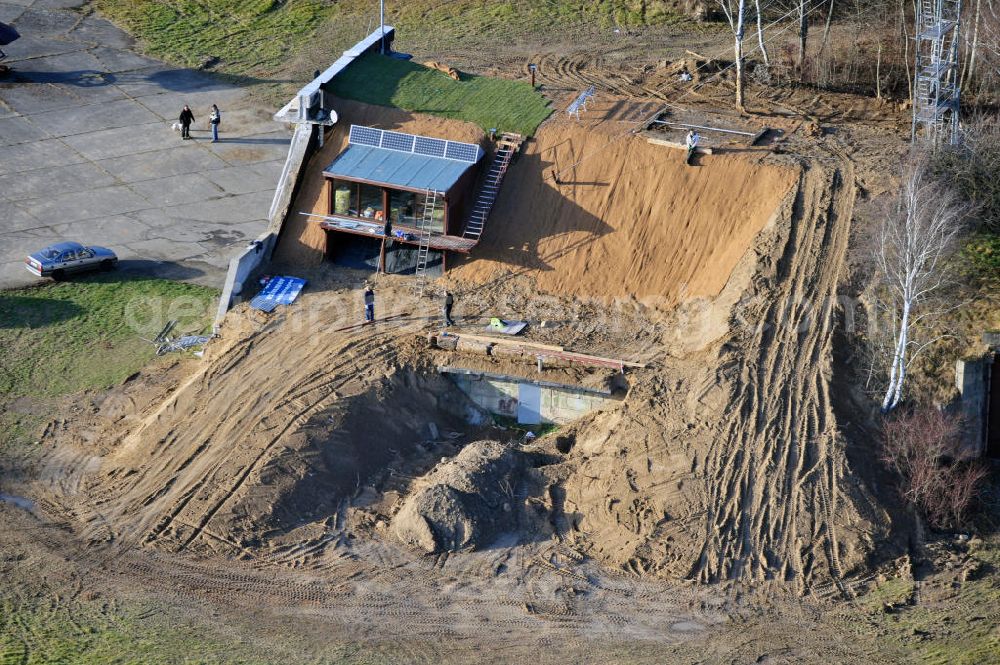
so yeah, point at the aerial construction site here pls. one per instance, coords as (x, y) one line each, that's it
(579, 381)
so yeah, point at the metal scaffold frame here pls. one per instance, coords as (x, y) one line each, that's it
(935, 85)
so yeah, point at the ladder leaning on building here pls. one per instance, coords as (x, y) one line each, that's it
(424, 223)
(507, 147)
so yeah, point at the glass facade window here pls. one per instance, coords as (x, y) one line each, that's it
(370, 201)
(403, 207)
(352, 199)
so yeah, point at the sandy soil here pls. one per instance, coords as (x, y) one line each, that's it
(628, 218)
(296, 440)
(263, 480)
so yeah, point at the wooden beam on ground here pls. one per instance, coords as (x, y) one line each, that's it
(508, 342)
(707, 128)
(584, 357)
(549, 350)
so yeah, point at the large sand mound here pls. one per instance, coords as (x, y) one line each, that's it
(629, 219)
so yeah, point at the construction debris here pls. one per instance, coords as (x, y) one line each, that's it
(278, 291)
(495, 346)
(181, 343)
(506, 327)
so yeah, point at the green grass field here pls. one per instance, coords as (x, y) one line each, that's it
(260, 37)
(487, 102)
(247, 35)
(37, 631)
(65, 337)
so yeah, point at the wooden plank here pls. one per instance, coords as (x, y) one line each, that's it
(602, 359)
(508, 342)
(557, 351)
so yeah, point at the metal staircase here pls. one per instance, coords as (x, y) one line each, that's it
(935, 85)
(424, 223)
(507, 147)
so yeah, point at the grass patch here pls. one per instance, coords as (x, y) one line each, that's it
(35, 631)
(488, 102)
(950, 626)
(65, 337)
(246, 35)
(294, 37)
(982, 253)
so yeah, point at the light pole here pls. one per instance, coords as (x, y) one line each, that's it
(381, 22)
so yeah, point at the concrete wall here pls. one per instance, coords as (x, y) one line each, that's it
(247, 262)
(299, 151)
(560, 404)
(242, 267)
(970, 379)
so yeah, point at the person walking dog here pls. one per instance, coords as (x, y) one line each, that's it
(215, 119)
(186, 120)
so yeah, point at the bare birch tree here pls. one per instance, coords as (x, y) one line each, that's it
(760, 34)
(735, 11)
(911, 250)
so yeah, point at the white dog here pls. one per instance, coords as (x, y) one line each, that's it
(176, 126)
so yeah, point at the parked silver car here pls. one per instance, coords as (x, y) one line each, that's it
(59, 260)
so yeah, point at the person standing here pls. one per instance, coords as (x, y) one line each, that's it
(215, 119)
(186, 119)
(449, 302)
(369, 304)
(691, 141)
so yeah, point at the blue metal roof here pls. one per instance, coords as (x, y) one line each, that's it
(397, 169)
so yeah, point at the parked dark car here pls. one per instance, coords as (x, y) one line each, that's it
(59, 260)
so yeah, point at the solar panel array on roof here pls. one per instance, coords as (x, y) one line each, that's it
(395, 168)
(431, 147)
(463, 152)
(397, 141)
(365, 136)
(411, 143)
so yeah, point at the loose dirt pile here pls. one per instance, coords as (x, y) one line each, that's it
(302, 241)
(627, 218)
(467, 501)
(305, 442)
(279, 427)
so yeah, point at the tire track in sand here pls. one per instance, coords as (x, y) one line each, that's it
(765, 471)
